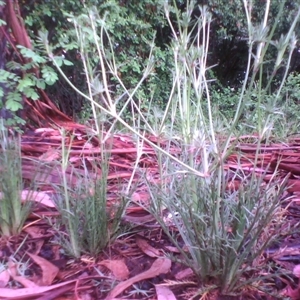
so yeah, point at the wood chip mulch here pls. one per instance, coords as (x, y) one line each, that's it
(138, 252)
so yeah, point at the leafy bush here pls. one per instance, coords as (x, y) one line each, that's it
(132, 28)
(134, 25)
(20, 80)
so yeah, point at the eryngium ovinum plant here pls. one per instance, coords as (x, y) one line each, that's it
(221, 233)
(224, 232)
(13, 213)
(87, 224)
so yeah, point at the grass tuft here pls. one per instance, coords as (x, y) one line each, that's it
(221, 237)
(13, 213)
(89, 223)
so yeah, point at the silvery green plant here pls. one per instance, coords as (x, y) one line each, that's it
(90, 223)
(224, 234)
(224, 231)
(13, 213)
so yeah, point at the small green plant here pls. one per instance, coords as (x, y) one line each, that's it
(13, 213)
(90, 222)
(224, 234)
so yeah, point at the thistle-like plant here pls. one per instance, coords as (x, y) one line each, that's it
(90, 223)
(225, 233)
(13, 213)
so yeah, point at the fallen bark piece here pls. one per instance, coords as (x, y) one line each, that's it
(29, 293)
(164, 293)
(4, 278)
(117, 267)
(49, 271)
(146, 248)
(160, 266)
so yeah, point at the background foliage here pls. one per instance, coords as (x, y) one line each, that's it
(135, 27)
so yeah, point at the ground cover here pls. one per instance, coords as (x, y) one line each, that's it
(140, 263)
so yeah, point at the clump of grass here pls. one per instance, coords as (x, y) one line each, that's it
(90, 223)
(13, 213)
(225, 233)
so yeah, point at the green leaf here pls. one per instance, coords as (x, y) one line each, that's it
(40, 83)
(5, 76)
(49, 75)
(71, 46)
(24, 83)
(29, 20)
(13, 101)
(12, 65)
(47, 11)
(43, 36)
(58, 60)
(67, 62)
(31, 93)
(28, 66)
(28, 53)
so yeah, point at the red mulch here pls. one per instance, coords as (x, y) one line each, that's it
(138, 252)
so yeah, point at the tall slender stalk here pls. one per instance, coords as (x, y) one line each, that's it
(122, 121)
